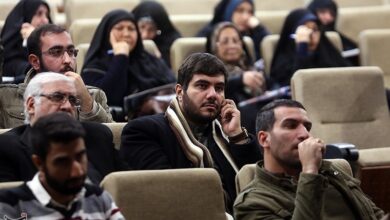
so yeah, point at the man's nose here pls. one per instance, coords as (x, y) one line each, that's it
(303, 133)
(66, 106)
(77, 169)
(66, 57)
(211, 92)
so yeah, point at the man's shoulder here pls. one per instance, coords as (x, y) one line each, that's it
(158, 119)
(13, 134)
(12, 196)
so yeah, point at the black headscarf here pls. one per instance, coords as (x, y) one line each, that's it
(144, 71)
(316, 5)
(285, 61)
(158, 14)
(15, 56)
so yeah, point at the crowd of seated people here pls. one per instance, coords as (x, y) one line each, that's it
(202, 124)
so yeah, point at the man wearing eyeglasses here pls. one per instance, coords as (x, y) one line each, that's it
(45, 94)
(50, 48)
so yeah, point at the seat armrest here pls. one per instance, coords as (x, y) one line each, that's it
(346, 151)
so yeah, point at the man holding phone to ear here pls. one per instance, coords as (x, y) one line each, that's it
(199, 129)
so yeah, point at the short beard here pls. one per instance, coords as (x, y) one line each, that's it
(63, 187)
(190, 111)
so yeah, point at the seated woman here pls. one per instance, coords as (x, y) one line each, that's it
(240, 13)
(244, 80)
(117, 62)
(21, 21)
(154, 24)
(326, 11)
(302, 45)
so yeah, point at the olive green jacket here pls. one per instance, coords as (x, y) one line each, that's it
(12, 104)
(331, 194)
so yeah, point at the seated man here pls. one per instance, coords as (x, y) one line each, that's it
(50, 48)
(47, 93)
(58, 190)
(293, 182)
(199, 129)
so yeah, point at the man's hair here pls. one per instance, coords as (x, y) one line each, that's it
(34, 40)
(266, 116)
(200, 63)
(34, 87)
(57, 127)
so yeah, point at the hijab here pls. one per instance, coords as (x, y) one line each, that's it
(285, 57)
(144, 70)
(168, 33)
(11, 38)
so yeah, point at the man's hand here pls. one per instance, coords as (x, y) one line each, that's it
(230, 118)
(82, 92)
(310, 154)
(119, 47)
(26, 30)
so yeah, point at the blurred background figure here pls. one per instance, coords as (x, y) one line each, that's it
(302, 45)
(117, 62)
(244, 81)
(240, 13)
(21, 21)
(154, 24)
(326, 11)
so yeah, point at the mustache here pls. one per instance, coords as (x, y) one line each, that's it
(67, 68)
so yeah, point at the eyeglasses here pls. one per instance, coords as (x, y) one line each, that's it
(60, 98)
(58, 52)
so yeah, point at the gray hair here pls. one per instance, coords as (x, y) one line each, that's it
(35, 85)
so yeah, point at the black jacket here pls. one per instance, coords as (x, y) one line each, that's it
(15, 153)
(149, 143)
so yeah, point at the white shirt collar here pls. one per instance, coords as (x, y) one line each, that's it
(43, 196)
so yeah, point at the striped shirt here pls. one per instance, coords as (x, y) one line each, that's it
(33, 201)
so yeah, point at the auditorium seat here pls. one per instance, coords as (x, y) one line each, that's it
(189, 25)
(189, 7)
(349, 105)
(351, 21)
(374, 47)
(267, 5)
(176, 194)
(82, 30)
(116, 129)
(359, 3)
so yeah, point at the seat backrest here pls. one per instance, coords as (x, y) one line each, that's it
(272, 20)
(374, 48)
(116, 129)
(182, 47)
(244, 176)
(76, 9)
(188, 7)
(6, 7)
(358, 3)
(345, 104)
(267, 5)
(7, 185)
(190, 194)
(351, 21)
(269, 43)
(247, 173)
(82, 30)
(189, 25)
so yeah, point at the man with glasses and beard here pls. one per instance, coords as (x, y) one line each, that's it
(50, 48)
(47, 93)
(58, 190)
(199, 129)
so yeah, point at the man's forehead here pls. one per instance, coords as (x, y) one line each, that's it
(50, 39)
(59, 86)
(214, 78)
(283, 113)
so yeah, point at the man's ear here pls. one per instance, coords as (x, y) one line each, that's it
(30, 105)
(179, 91)
(34, 61)
(37, 162)
(264, 139)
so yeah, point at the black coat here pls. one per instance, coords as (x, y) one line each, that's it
(15, 153)
(149, 143)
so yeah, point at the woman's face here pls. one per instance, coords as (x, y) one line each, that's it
(148, 29)
(229, 46)
(40, 17)
(241, 16)
(315, 35)
(326, 16)
(125, 31)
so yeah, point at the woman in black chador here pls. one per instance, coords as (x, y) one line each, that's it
(302, 45)
(117, 62)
